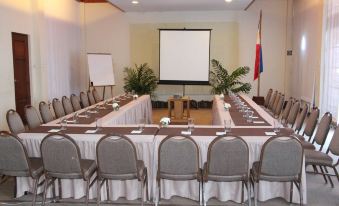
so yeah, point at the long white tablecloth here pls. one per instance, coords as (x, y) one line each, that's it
(220, 190)
(219, 113)
(147, 149)
(131, 113)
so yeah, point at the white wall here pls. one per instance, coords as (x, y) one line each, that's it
(307, 25)
(54, 29)
(107, 30)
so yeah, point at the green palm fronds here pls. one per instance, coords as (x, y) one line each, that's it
(141, 79)
(222, 82)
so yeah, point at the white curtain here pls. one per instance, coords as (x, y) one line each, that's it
(330, 63)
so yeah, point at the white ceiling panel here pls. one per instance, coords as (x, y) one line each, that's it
(180, 5)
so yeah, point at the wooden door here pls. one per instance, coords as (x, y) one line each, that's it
(21, 72)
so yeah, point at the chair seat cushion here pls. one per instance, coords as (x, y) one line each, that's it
(178, 177)
(313, 157)
(307, 145)
(221, 178)
(270, 178)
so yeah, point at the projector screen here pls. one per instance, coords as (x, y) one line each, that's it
(184, 56)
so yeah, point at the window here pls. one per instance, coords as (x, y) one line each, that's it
(330, 60)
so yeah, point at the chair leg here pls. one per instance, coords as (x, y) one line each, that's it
(336, 172)
(291, 192)
(142, 192)
(248, 188)
(146, 182)
(242, 192)
(87, 191)
(53, 190)
(98, 191)
(107, 190)
(329, 176)
(200, 198)
(301, 194)
(60, 189)
(323, 173)
(45, 191)
(35, 187)
(159, 195)
(255, 193)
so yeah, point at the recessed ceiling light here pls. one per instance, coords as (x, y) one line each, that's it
(228, 1)
(135, 2)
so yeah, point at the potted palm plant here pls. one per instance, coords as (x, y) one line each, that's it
(140, 79)
(222, 82)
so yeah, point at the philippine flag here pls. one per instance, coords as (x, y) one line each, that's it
(258, 68)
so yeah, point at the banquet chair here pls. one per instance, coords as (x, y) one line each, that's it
(318, 158)
(301, 118)
(96, 96)
(227, 161)
(292, 116)
(14, 122)
(91, 98)
(321, 133)
(117, 160)
(58, 108)
(45, 112)
(272, 100)
(32, 117)
(62, 160)
(14, 161)
(275, 104)
(75, 102)
(84, 99)
(281, 160)
(268, 97)
(66, 103)
(178, 160)
(311, 123)
(277, 111)
(287, 110)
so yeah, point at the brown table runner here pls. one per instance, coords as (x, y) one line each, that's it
(234, 131)
(102, 130)
(238, 118)
(101, 112)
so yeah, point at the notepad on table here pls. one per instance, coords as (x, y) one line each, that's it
(270, 133)
(91, 131)
(258, 122)
(220, 133)
(136, 132)
(54, 130)
(186, 132)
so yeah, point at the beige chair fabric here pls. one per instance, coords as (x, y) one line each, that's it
(268, 97)
(91, 98)
(84, 99)
(32, 117)
(45, 112)
(178, 160)
(66, 103)
(75, 102)
(14, 122)
(15, 162)
(58, 108)
(96, 96)
(117, 160)
(227, 161)
(281, 160)
(62, 160)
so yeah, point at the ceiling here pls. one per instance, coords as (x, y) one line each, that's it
(179, 5)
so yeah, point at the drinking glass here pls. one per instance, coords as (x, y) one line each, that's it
(190, 124)
(141, 124)
(250, 116)
(227, 125)
(98, 124)
(276, 126)
(63, 124)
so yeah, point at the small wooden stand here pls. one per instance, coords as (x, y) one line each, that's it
(178, 113)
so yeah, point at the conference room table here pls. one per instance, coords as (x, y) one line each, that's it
(147, 144)
(131, 111)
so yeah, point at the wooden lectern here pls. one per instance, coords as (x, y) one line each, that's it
(177, 113)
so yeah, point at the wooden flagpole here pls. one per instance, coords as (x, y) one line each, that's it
(258, 91)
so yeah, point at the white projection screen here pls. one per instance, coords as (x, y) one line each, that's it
(100, 68)
(184, 56)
